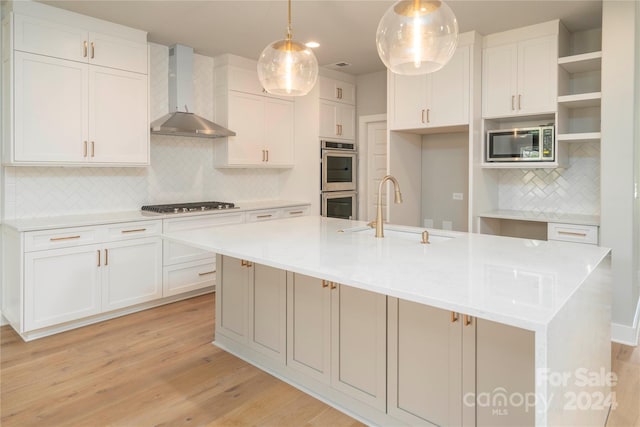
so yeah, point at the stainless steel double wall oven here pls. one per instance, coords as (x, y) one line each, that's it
(338, 173)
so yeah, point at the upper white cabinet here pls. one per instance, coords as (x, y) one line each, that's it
(432, 100)
(337, 121)
(264, 124)
(80, 97)
(519, 71)
(337, 90)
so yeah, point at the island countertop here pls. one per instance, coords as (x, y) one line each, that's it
(518, 282)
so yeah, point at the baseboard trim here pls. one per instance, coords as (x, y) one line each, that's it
(625, 334)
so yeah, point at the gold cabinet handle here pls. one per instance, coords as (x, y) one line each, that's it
(84, 151)
(264, 216)
(422, 116)
(93, 148)
(135, 230)
(98, 257)
(454, 317)
(519, 102)
(325, 284)
(243, 263)
(206, 272)
(267, 151)
(572, 233)
(296, 212)
(93, 50)
(84, 49)
(57, 239)
(513, 100)
(263, 156)
(106, 257)
(467, 320)
(428, 120)
(333, 285)
(249, 264)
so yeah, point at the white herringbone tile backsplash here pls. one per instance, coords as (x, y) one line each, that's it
(575, 189)
(181, 168)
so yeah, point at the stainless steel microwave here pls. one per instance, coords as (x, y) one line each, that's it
(534, 144)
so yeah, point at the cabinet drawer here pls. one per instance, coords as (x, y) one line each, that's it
(573, 233)
(295, 211)
(132, 230)
(264, 215)
(187, 277)
(61, 238)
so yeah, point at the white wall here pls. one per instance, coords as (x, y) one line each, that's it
(618, 164)
(371, 93)
(181, 168)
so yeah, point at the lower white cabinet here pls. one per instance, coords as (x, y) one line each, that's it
(131, 273)
(61, 285)
(573, 233)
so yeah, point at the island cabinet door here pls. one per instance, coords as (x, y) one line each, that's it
(425, 364)
(309, 326)
(268, 312)
(358, 344)
(505, 379)
(232, 292)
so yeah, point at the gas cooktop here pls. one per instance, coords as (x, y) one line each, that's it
(189, 207)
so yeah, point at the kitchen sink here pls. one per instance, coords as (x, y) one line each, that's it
(399, 232)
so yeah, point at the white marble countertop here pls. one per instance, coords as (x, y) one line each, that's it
(46, 223)
(565, 218)
(519, 282)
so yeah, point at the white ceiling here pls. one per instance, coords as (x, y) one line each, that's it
(345, 29)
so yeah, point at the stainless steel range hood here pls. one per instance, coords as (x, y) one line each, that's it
(180, 121)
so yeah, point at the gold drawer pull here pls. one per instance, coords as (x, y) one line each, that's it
(57, 239)
(93, 50)
(264, 216)
(467, 320)
(296, 213)
(98, 257)
(136, 230)
(206, 272)
(93, 148)
(571, 233)
(84, 151)
(454, 317)
(84, 49)
(106, 257)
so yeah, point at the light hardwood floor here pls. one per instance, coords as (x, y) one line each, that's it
(158, 368)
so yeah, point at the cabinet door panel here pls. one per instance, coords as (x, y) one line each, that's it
(408, 101)
(425, 357)
(118, 120)
(132, 273)
(115, 52)
(232, 291)
(51, 104)
(309, 327)
(499, 80)
(268, 302)
(448, 91)
(537, 75)
(186, 277)
(279, 118)
(246, 119)
(347, 121)
(61, 285)
(328, 120)
(358, 336)
(49, 38)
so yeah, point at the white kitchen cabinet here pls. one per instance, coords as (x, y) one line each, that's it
(337, 335)
(337, 121)
(575, 233)
(61, 285)
(131, 273)
(520, 78)
(186, 277)
(337, 90)
(79, 96)
(78, 43)
(433, 100)
(443, 364)
(263, 123)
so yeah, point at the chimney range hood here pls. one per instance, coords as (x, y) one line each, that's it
(179, 122)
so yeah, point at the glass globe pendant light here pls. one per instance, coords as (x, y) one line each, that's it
(417, 36)
(287, 67)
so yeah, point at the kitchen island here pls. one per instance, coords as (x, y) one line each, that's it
(466, 330)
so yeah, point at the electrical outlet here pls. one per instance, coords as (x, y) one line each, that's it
(447, 225)
(458, 196)
(427, 223)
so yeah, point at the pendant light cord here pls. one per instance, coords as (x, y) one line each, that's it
(289, 22)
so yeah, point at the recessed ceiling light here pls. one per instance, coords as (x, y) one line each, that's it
(312, 45)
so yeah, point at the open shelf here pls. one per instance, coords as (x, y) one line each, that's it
(579, 137)
(584, 62)
(582, 100)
